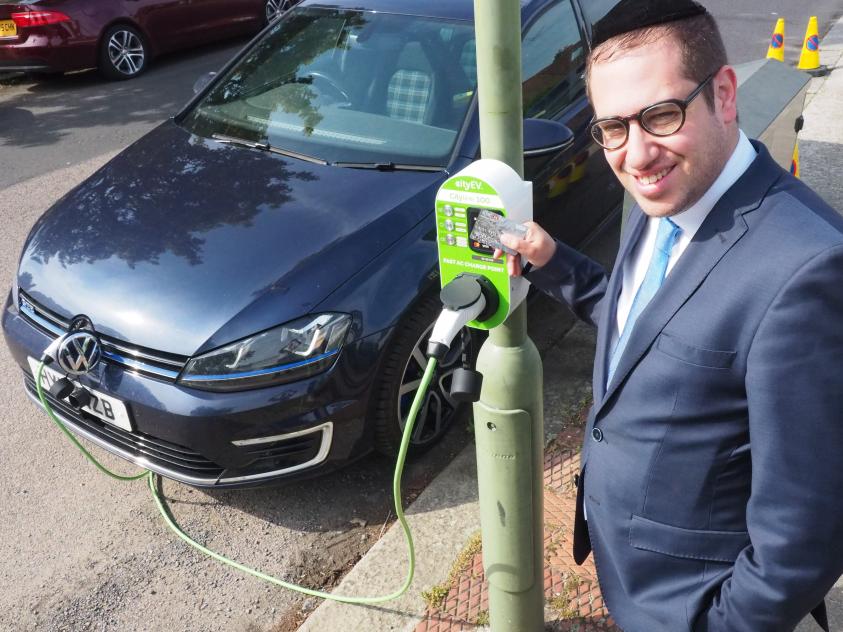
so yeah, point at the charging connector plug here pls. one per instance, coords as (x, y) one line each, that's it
(467, 297)
(51, 352)
(61, 388)
(79, 398)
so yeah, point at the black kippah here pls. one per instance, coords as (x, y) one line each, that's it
(631, 15)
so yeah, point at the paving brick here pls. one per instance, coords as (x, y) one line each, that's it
(572, 594)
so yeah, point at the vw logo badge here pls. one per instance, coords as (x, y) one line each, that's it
(79, 353)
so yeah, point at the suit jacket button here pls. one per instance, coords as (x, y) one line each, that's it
(597, 435)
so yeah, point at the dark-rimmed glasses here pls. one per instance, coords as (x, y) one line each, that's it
(659, 119)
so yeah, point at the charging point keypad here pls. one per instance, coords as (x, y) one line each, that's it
(452, 225)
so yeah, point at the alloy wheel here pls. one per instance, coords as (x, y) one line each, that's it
(438, 408)
(126, 52)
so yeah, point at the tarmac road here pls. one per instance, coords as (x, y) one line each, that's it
(48, 124)
(747, 25)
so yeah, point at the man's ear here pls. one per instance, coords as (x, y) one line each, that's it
(726, 94)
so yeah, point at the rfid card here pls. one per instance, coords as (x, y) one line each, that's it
(489, 226)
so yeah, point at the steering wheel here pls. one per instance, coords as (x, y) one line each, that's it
(332, 84)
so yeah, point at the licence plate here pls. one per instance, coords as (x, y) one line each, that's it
(105, 407)
(8, 28)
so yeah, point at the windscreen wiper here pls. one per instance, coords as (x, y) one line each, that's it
(386, 166)
(241, 142)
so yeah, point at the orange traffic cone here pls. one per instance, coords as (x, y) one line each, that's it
(776, 50)
(809, 60)
(794, 163)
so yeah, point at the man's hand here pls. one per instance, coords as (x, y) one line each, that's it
(536, 245)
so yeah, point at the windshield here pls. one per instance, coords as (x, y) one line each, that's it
(348, 86)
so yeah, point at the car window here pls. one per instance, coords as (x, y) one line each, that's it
(346, 86)
(552, 62)
(594, 10)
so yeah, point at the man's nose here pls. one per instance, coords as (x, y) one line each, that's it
(641, 150)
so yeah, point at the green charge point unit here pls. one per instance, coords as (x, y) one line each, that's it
(484, 185)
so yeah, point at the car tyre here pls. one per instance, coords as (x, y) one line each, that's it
(124, 53)
(401, 373)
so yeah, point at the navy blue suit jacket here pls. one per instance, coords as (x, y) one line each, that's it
(712, 465)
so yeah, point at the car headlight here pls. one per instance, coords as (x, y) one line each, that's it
(293, 351)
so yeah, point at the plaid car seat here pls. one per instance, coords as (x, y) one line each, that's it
(410, 90)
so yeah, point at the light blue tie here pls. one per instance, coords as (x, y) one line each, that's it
(665, 240)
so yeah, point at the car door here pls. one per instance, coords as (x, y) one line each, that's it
(217, 19)
(167, 22)
(573, 190)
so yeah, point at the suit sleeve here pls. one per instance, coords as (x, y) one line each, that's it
(794, 385)
(574, 279)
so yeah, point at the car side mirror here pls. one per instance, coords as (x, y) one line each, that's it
(203, 81)
(543, 137)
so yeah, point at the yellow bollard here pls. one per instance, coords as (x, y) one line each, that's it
(776, 50)
(809, 60)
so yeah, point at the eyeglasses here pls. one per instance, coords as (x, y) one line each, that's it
(659, 119)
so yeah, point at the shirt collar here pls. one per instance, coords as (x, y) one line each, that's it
(692, 218)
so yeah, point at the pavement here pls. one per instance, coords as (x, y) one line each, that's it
(448, 592)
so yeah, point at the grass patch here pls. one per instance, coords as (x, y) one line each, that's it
(435, 597)
(482, 618)
(464, 559)
(564, 604)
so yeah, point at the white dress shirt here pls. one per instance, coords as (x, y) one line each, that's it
(690, 220)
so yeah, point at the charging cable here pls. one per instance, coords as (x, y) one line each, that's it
(466, 298)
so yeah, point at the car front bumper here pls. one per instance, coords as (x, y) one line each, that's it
(207, 439)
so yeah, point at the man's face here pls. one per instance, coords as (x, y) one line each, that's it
(665, 174)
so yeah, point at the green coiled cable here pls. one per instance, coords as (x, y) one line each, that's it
(396, 495)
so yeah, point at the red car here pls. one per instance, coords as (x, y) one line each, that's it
(118, 36)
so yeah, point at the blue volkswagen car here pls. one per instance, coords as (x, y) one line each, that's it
(259, 272)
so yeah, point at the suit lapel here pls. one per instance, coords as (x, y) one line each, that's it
(721, 230)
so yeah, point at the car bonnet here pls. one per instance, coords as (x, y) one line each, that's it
(180, 236)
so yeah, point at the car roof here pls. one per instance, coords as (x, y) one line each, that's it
(454, 9)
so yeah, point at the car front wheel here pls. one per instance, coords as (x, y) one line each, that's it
(401, 378)
(124, 53)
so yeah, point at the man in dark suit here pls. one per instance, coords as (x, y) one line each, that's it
(711, 488)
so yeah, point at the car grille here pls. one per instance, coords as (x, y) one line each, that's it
(157, 364)
(170, 459)
(267, 456)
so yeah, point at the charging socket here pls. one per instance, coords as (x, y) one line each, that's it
(485, 185)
